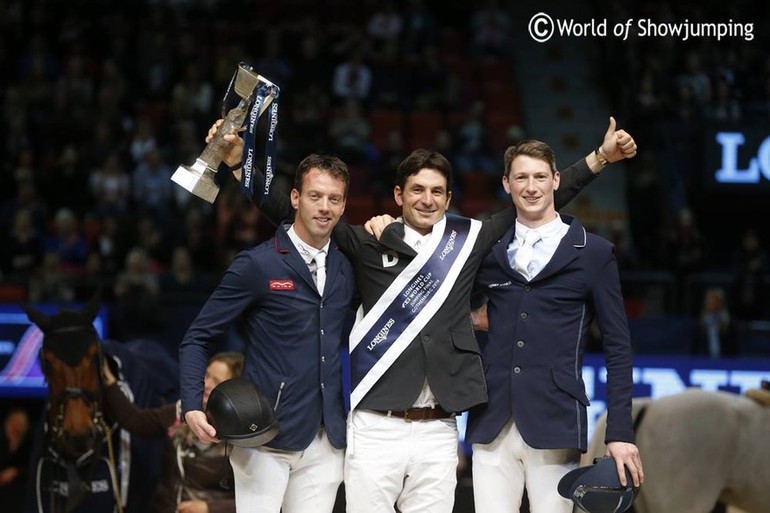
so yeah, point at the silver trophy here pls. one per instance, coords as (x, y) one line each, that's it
(199, 178)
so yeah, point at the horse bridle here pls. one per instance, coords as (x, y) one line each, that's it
(101, 431)
(91, 399)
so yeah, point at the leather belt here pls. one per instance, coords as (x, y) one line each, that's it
(413, 414)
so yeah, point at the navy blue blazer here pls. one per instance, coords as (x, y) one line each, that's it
(537, 337)
(294, 337)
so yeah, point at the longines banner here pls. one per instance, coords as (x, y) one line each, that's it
(738, 157)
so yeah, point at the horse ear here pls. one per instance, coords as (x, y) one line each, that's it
(41, 320)
(92, 307)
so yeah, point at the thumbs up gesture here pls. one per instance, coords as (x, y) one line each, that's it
(617, 144)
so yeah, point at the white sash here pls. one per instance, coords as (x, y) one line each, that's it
(409, 303)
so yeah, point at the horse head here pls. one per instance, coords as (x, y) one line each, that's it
(71, 361)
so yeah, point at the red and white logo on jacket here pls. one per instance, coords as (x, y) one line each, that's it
(281, 284)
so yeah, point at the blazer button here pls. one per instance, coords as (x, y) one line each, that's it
(523, 315)
(520, 343)
(322, 332)
(323, 359)
(528, 288)
(426, 338)
(517, 370)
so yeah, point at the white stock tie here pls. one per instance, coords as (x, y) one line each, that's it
(523, 257)
(319, 275)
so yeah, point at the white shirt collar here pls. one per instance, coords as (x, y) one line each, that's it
(412, 237)
(550, 229)
(306, 251)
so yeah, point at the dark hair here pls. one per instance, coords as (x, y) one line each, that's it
(232, 359)
(530, 148)
(328, 163)
(424, 159)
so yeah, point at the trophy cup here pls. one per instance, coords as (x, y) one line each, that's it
(199, 178)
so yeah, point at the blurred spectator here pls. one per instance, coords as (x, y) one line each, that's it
(103, 143)
(389, 158)
(724, 106)
(490, 27)
(22, 248)
(197, 236)
(152, 186)
(749, 268)
(352, 79)
(420, 28)
(17, 138)
(695, 79)
(385, 25)
(237, 222)
(472, 143)
(686, 244)
(192, 97)
(49, 284)
(143, 140)
(758, 109)
(684, 256)
(138, 309)
(112, 77)
(111, 188)
(75, 89)
(716, 334)
(646, 210)
(26, 198)
(388, 88)
(15, 445)
(310, 116)
(182, 282)
(444, 144)
(312, 67)
(155, 63)
(349, 134)
(66, 241)
(24, 172)
(150, 238)
(110, 245)
(624, 253)
(430, 82)
(66, 183)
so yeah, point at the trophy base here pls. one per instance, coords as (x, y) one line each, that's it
(198, 179)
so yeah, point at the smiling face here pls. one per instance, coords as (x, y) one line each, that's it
(319, 205)
(424, 199)
(531, 183)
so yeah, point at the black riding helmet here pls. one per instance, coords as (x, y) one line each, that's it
(241, 413)
(597, 489)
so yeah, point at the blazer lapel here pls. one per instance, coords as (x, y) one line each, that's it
(292, 257)
(500, 253)
(568, 248)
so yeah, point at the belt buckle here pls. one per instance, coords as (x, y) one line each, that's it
(406, 416)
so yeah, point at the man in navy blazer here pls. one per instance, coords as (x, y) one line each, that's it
(294, 293)
(545, 280)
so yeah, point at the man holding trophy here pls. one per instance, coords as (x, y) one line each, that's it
(294, 293)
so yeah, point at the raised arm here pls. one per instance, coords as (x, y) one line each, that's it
(617, 145)
(278, 207)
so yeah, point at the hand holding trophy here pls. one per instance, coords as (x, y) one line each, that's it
(256, 95)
